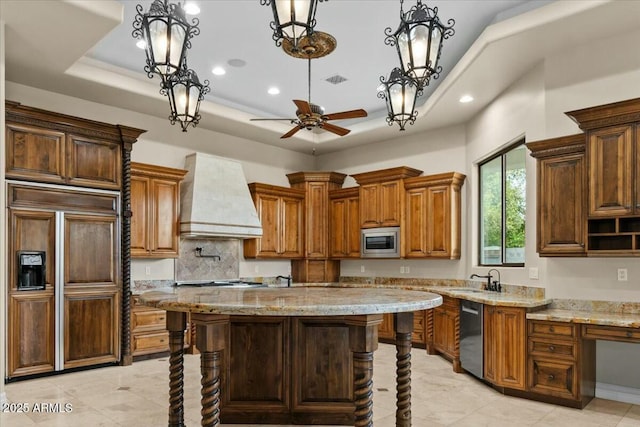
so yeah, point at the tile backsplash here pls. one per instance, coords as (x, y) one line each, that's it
(219, 259)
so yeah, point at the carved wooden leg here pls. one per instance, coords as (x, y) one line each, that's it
(363, 388)
(363, 341)
(176, 322)
(210, 370)
(210, 341)
(403, 327)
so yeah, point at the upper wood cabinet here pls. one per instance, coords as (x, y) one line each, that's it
(316, 208)
(561, 195)
(505, 346)
(432, 216)
(344, 223)
(381, 196)
(155, 204)
(281, 213)
(613, 176)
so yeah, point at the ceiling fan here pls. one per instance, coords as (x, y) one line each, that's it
(310, 116)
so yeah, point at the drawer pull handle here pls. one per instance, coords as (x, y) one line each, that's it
(629, 334)
(551, 377)
(552, 348)
(551, 329)
(162, 340)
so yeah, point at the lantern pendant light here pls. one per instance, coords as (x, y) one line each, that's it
(419, 40)
(185, 93)
(292, 19)
(166, 34)
(400, 92)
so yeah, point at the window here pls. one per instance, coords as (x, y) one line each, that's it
(502, 207)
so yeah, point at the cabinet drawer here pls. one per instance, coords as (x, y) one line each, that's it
(449, 303)
(553, 378)
(552, 329)
(148, 319)
(611, 333)
(552, 348)
(150, 343)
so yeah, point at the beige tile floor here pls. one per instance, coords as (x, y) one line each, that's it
(137, 395)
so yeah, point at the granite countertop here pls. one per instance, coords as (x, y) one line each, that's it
(625, 320)
(294, 301)
(505, 299)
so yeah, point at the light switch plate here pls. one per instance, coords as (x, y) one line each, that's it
(533, 272)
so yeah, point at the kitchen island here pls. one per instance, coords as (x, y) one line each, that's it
(288, 355)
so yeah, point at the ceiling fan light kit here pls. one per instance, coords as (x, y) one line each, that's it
(418, 40)
(167, 37)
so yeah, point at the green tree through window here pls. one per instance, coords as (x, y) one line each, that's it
(503, 207)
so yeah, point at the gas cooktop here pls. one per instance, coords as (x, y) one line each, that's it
(221, 283)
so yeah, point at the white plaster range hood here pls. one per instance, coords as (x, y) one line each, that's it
(216, 202)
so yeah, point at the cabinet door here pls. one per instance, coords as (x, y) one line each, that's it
(490, 344)
(438, 221)
(35, 154)
(93, 163)
(385, 329)
(291, 238)
(316, 220)
(338, 230)
(414, 236)
(91, 295)
(637, 170)
(561, 219)
(505, 346)
(611, 171)
(369, 205)
(389, 209)
(165, 201)
(344, 234)
(31, 333)
(140, 194)
(268, 208)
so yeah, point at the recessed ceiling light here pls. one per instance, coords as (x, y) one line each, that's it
(219, 71)
(237, 62)
(273, 90)
(466, 98)
(191, 8)
(141, 44)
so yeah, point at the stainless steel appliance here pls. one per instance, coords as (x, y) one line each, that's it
(31, 270)
(471, 345)
(383, 242)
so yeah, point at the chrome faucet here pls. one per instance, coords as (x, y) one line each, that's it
(285, 277)
(491, 285)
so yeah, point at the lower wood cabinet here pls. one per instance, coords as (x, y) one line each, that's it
(505, 346)
(148, 330)
(281, 370)
(386, 332)
(560, 365)
(443, 331)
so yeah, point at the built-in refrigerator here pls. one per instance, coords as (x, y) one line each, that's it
(72, 318)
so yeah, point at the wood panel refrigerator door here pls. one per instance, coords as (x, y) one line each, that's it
(91, 289)
(31, 317)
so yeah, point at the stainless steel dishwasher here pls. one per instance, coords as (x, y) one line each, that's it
(471, 346)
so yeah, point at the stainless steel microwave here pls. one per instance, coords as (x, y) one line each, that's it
(381, 242)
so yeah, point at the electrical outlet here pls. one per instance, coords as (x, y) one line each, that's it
(533, 273)
(622, 275)
(402, 269)
(147, 271)
(362, 269)
(406, 269)
(256, 269)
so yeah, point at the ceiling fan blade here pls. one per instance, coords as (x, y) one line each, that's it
(351, 114)
(278, 118)
(303, 106)
(291, 132)
(335, 129)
